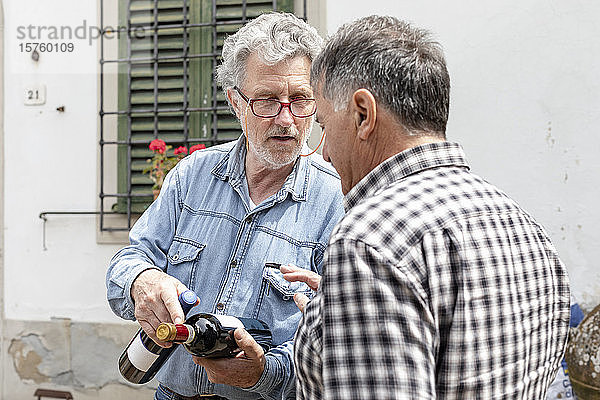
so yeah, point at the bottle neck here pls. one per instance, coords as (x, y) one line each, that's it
(175, 333)
(185, 333)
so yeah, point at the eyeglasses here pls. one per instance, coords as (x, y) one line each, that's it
(270, 108)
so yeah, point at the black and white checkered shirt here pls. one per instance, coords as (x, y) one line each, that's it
(435, 285)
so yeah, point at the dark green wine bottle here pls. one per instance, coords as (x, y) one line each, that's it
(211, 335)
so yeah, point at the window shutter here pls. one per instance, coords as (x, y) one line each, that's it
(166, 86)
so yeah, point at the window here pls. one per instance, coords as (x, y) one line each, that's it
(165, 54)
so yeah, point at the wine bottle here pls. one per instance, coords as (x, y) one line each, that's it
(142, 358)
(211, 335)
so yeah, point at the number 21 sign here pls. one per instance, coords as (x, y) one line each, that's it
(35, 95)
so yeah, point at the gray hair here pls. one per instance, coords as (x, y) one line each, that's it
(274, 37)
(401, 65)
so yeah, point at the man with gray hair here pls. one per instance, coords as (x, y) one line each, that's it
(226, 211)
(435, 284)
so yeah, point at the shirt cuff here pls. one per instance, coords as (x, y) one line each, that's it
(272, 375)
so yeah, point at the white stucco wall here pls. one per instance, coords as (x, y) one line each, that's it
(51, 165)
(525, 104)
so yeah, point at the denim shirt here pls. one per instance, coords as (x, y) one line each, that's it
(202, 230)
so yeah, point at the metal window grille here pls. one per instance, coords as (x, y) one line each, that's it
(167, 54)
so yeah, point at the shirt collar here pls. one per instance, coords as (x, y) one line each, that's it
(232, 167)
(401, 165)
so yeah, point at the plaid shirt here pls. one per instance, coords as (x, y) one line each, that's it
(435, 285)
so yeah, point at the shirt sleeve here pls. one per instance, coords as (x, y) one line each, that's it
(150, 239)
(278, 378)
(379, 336)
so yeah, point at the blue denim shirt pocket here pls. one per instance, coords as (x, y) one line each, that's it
(276, 300)
(182, 257)
(287, 290)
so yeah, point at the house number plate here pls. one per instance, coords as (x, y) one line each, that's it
(35, 95)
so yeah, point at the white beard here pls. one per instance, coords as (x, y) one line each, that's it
(276, 160)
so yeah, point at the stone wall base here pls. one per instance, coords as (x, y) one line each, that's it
(60, 354)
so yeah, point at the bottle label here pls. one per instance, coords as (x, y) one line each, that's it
(140, 356)
(227, 321)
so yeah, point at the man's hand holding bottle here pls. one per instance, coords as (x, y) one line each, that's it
(155, 295)
(244, 370)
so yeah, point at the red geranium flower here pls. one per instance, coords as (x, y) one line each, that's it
(158, 145)
(180, 150)
(197, 147)
(160, 164)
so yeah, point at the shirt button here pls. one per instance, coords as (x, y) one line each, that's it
(233, 263)
(220, 306)
(176, 257)
(249, 219)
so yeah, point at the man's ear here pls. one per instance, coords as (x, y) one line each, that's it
(364, 109)
(234, 100)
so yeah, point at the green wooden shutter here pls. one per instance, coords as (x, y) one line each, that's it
(180, 83)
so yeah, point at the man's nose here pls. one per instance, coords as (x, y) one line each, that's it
(285, 117)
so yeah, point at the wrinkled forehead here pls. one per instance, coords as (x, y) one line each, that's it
(289, 74)
(255, 62)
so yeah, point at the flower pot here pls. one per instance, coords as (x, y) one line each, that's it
(583, 357)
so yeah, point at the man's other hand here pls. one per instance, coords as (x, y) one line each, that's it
(244, 370)
(293, 274)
